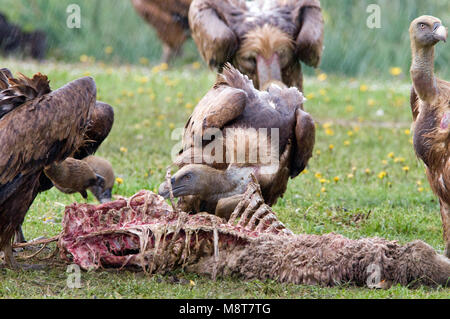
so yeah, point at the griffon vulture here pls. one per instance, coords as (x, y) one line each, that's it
(430, 106)
(38, 128)
(241, 121)
(170, 20)
(266, 40)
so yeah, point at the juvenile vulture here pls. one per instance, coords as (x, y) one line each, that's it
(265, 40)
(215, 170)
(74, 176)
(430, 106)
(102, 168)
(38, 128)
(170, 20)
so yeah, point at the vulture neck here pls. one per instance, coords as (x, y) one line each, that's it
(422, 72)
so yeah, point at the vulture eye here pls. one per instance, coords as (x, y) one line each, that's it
(187, 177)
(422, 26)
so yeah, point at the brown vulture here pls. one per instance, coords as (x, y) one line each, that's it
(430, 106)
(38, 128)
(170, 20)
(232, 122)
(266, 40)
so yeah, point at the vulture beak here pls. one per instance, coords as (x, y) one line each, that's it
(440, 32)
(164, 189)
(269, 71)
(106, 196)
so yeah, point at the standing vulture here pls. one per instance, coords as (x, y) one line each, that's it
(38, 128)
(170, 20)
(265, 40)
(216, 168)
(430, 106)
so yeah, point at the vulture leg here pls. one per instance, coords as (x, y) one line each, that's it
(226, 206)
(445, 214)
(19, 237)
(9, 258)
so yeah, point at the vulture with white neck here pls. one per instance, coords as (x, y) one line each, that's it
(430, 106)
(234, 133)
(266, 40)
(39, 128)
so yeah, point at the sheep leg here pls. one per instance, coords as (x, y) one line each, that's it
(445, 214)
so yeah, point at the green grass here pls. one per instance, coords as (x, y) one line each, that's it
(400, 206)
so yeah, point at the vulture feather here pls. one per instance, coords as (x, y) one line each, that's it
(265, 40)
(430, 106)
(45, 128)
(169, 18)
(215, 170)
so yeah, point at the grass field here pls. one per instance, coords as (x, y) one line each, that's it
(363, 180)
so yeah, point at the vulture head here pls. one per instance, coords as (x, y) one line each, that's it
(207, 182)
(266, 40)
(426, 31)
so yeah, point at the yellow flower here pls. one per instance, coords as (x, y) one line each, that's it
(322, 92)
(327, 125)
(399, 160)
(318, 175)
(329, 132)
(350, 176)
(367, 171)
(331, 147)
(419, 183)
(346, 143)
(171, 125)
(109, 50)
(143, 61)
(391, 155)
(407, 132)
(350, 133)
(371, 102)
(189, 105)
(164, 66)
(191, 282)
(363, 88)
(395, 71)
(196, 65)
(322, 77)
(305, 171)
(119, 180)
(349, 108)
(420, 189)
(143, 79)
(123, 149)
(310, 96)
(323, 189)
(323, 180)
(84, 58)
(161, 117)
(384, 162)
(87, 73)
(158, 124)
(318, 152)
(382, 174)
(405, 168)
(336, 179)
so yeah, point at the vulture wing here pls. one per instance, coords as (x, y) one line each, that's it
(305, 132)
(215, 40)
(310, 38)
(45, 129)
(414, 102)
